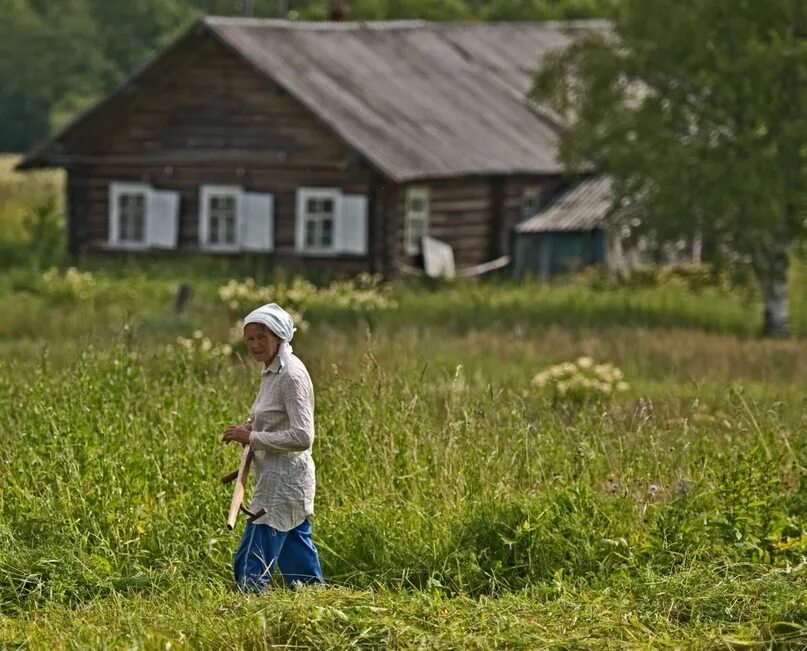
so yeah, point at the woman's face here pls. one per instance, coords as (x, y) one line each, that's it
(262, 343)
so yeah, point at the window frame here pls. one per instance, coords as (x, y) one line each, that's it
(534, 194)
(303, 196)
(117, 189)
(414, 192)
(206, 193)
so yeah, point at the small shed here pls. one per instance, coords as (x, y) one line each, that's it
(570, 233)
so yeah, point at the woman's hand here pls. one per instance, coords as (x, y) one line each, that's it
(239, 433)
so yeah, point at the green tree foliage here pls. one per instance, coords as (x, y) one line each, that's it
(402, 9)
(697, 109)
(547, 9)
(56, 58)
(45, 63)
(129, 32)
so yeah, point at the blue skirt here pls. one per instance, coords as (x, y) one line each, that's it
(263, 548)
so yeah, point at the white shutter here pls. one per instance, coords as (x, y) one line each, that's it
(114, 215)
(257, 221)
(203, 223)
(299, 221)
(162, 219)
(351, 227)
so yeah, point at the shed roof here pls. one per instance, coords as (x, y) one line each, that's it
(583, 207)
(417, 99)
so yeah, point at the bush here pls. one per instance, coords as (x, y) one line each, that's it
(689, 276)
(581, 381)
(44, 229)
(361, 295)
(70, 285)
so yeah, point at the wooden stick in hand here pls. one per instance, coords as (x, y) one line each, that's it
(240, 486)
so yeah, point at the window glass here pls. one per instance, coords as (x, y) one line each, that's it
(416, 221)
(229, 230)
(131, 217)
(530, 202)
(310, 233)
(222, 219)
(319, 218)
(327, 232)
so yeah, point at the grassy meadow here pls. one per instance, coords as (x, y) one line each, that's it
(460, 504)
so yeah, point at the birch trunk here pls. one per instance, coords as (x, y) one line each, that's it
(774, 292)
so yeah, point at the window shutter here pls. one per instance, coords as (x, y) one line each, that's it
(299, 221)
(351, 228)
(162, 219)
(257, 221)
(114, 215)
(202, 224)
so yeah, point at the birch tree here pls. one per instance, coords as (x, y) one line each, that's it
(697, 110)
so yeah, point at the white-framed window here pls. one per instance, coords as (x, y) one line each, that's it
(128, 209)
(231, 219)
(142, 217)
(330, 223)
(416, 218)
(318, 211)
(220, 207)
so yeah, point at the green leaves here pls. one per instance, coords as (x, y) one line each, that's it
(697, 110)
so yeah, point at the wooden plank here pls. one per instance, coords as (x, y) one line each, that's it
(219, 103)
(450, 234)
(460, 214)
(460, 219)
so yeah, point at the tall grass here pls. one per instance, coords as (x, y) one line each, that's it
(457, 506)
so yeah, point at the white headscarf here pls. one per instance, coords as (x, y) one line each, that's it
(278, 321)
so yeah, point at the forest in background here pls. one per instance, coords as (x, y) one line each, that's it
(58, 58)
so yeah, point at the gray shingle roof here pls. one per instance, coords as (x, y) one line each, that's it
(418, 99)
(581, 208)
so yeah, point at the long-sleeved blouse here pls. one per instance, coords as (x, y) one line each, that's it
(282, 435)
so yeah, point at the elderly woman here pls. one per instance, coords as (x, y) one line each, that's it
(280, 431)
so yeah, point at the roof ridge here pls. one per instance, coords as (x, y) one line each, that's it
(315, 25)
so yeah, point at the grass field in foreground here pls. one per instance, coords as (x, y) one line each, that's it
(459, 505)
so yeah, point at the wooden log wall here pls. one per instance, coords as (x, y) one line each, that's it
(92, 185)
(475, 215)
(206, 100)
(459, 214)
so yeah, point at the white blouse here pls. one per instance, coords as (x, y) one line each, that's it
(282, 434)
